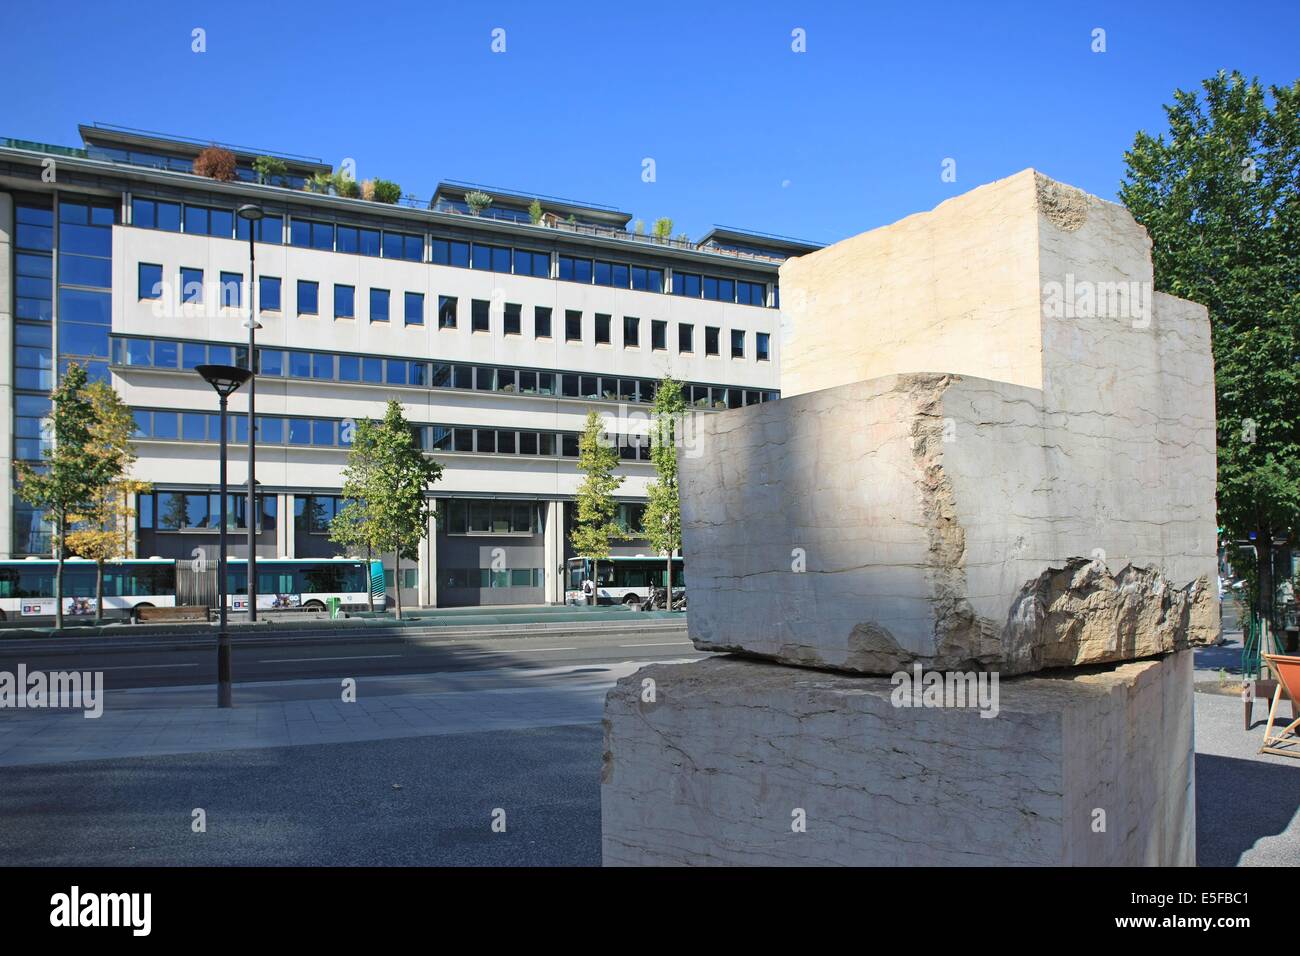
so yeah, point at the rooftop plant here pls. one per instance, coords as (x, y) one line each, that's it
(269, 169)
(477, 201)
(215, 163)
(663, 227)
(385, 191)
(535, 211)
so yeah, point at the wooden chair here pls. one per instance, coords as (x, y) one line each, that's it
(1286, 743)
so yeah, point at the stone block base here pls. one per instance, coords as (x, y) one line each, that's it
(1084, 767)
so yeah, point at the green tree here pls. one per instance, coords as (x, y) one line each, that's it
(387, 470)
(72, 472)
(100, 528)
(1220, 196)
(595, 526)
(663, 513)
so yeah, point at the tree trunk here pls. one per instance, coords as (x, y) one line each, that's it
(668, 577)
(397, 582)
(1264, 569)
(99, 591)
(58, 573)
(370, 592)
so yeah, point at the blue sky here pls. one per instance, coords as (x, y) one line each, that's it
(846, 136)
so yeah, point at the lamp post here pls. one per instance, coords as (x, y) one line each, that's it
(252, 214)
(226, 379)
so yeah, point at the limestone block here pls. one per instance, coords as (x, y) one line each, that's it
(935, 518)
(974, 397)
(715, 770)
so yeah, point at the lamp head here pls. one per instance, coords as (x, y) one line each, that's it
(250, 211)
(226, 379)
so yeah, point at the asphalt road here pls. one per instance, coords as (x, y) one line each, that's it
(414, 801)
(299, 659)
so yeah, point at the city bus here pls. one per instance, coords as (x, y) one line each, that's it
(621, 580)
(27, 587)
(307, 583)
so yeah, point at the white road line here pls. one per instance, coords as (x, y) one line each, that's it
(529, 650)
(307, 660)
(141, 667)
(660, 644)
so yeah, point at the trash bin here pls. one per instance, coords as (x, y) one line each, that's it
(334, 604)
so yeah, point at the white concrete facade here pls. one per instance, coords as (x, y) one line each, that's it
(289, 474)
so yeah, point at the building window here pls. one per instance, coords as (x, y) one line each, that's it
(631, 332)
(711, 339)
(402, 245)
(751, 293)
(532, 264)
(230, 283)
(446, 252)
(687, 284)
(378, 305)
(308, 297)
(269, 229)
(761, 346)
(200, 220)
(150, 281)
(575, 270)
(719, 290)
(512, 321)
(344, 301)
(154, 214)
(658, 335)
(542, 322)
(446, 311)
(311, 235)
(362, 241)
(191, 285)
(268, 293)
(647, 280)
(602, 329)
(490, 258)
(611, 274)
(479, 316)
(685, 337)
(572, 325)
(737, 343)
(415, 308)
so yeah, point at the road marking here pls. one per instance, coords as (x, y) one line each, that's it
(660, 644)
(530, 650)
(141, 667)
(307, 660)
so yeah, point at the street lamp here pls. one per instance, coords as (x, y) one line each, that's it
(226, 379)
(252, 214)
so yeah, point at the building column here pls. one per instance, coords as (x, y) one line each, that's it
(287, 546)
(429, 565)
(553, 549)
(6, 376)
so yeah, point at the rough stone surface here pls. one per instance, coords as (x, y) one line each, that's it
(955, 427)
(713, 771)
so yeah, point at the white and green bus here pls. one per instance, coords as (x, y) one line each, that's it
(621, 580)
(27, 587)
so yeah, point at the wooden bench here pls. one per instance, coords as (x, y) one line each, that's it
(194, 612)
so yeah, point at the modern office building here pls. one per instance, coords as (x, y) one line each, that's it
(496, 333)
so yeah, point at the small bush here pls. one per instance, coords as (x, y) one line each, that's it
(477, 201)
(269, 169)
(215, 163)
(385, 191)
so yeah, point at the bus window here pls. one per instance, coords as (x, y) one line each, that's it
(8, 583)
(576, 576)
(320, 579)
(275, 582)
